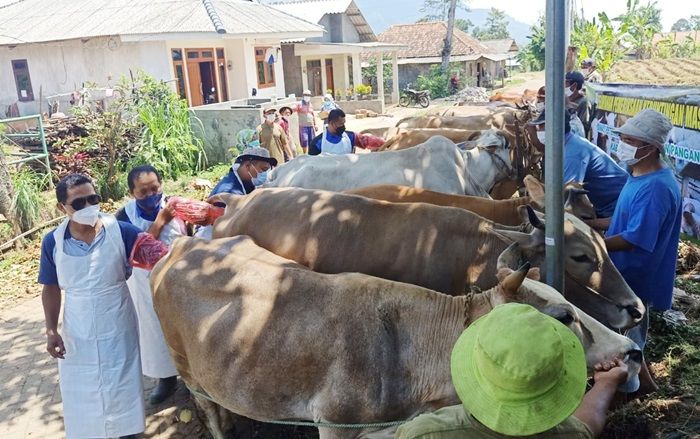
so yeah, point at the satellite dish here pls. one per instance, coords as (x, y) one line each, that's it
(271, 55)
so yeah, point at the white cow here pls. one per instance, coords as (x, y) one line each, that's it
(438, 165)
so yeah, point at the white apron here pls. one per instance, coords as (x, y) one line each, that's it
(342, 147)
(155, 358)
(100, 377)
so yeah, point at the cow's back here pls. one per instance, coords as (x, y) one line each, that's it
(441, 248)
(436, 165)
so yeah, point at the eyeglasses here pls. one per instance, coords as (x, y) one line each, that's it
(79, 203)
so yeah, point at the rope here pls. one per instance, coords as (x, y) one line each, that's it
(310, 423)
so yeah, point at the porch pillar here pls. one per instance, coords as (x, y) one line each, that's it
(356, 74)
(324, 78)
(395, 78)
(304, 75)
(346, 74)
(380, 77)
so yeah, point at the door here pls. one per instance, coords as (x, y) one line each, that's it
(313, 73)
(195, 81)
(202, 76)
(329, 77)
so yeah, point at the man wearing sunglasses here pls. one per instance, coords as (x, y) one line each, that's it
(99, 363)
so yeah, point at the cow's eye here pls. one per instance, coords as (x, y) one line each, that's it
(566, 319)
(581, 258)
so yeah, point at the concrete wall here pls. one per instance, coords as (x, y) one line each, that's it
(221, 126)
(338, 29)
(292, 71)
(349, 107)
(408, 73)
(56, 68)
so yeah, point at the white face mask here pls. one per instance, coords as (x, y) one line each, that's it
(87, 215)
(270, 117)
(539, 106)
(306, 99)
(540, 136)
(568, 92)
(626, 154)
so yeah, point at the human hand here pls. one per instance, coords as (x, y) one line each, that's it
(166, 214)
(615, 372)
(54, 346)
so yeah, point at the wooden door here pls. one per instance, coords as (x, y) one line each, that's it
(195, 80)
(313, 73)
(330, 85)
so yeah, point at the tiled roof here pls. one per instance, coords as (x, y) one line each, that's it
(427, 40)
(501, 46)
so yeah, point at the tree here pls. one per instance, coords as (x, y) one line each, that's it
(598, 40)
(438, 10)
(681, 25)
(532, 55)
(463, 25)
(447, 49)
(694, 22)
(639, 25)
(496, 26)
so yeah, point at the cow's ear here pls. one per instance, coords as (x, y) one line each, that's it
(534, 274)
(536, 191)
(512, 282)
(524, 240)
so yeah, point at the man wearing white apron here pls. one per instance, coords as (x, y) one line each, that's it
(99, 364)
(149, 213)
(249, 171)
(334, 139)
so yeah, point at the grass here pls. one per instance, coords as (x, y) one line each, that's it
(28, 203)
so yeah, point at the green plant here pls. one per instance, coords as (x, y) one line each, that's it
(436, 81)
(167, 139)
(27, 202)
(532, 55)
(362, 89)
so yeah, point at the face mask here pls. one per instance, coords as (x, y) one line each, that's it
(540, 136)
(539, 106)
(568, 92)
(87, 215)
(254, 143)
(626, 154)
(270, 117)
(260, 179)
(340, 130)
(149, 204)
(306, 99)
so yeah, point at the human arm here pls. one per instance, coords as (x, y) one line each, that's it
(594, 408)
(130, 234)
(617, 243)
(165, 215)
(599, 223)
(51, 301)
(284, 138)
(315, 145)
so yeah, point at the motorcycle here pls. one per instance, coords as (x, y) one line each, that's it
(410, 96)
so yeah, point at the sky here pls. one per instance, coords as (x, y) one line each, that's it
(528, 11)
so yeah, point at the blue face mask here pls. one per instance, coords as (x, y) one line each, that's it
(254, 144)
(260, 179)
(150, 204)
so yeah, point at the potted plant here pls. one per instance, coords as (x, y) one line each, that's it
(363, 90)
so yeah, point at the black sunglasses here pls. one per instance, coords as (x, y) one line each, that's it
(79, 203)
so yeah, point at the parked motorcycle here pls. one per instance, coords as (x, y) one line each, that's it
(412, 97)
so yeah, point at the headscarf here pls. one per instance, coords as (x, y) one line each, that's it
(247, 138)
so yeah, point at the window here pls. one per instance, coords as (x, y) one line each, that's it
(179, 67)
(266, 71)
(22, 81)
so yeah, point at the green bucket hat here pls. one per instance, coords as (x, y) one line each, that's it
(517, 371)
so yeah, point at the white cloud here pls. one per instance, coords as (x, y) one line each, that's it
(528, 11)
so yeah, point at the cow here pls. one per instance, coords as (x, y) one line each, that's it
(384, 133)
(437, 165)
(269, 339)
(503, 212)
(415, 136)
(442, 248)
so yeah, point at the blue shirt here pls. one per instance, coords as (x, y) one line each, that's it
(602, 177)
(315, 146)
(231, 184)
(648, 215)
(74, 247)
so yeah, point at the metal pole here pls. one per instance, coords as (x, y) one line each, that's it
(555, 58)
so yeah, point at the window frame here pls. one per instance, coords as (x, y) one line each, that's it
(268, 70)
(25, 70)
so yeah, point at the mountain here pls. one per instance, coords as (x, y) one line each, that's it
(382, 14)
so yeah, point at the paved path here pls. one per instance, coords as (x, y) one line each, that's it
(30, 400)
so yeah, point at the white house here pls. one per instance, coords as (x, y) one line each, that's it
(210, 50)
(332, 61)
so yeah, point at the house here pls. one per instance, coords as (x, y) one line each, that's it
(209, 50)
(507, 47)
(480, 63)
(331, 62)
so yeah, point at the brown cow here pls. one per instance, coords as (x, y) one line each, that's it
(272, 340)
(415, 136)
(441, 248)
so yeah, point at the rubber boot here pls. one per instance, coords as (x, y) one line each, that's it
(164, 388)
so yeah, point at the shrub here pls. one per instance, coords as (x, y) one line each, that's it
(362, 89)
(27, 203)
(436, 81)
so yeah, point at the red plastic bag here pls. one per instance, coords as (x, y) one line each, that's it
(147, 251)
(195, 212)
(368, 141)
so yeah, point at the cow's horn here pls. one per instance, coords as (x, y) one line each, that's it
(513, 281)
(510, 257)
